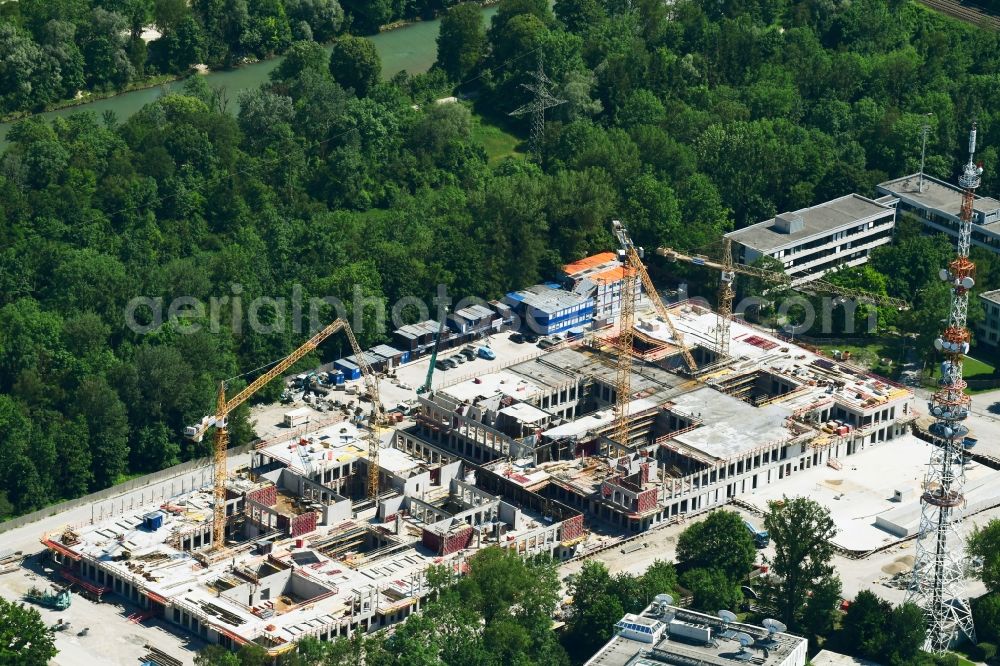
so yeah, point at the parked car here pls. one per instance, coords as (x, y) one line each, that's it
(487, 353)
(530, 338)
(449, 363)
(458, 359)
(469, 353)
(516, 338)
(440, 364)
(545, 343)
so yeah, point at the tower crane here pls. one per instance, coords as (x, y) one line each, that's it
(626, 320)
(631, 259)
(729, 270)
(224, 407)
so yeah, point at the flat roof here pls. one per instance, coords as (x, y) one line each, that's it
(623, 651)
(731, 426)
(397, 461)
(991, 296)
(339, 442)
(474, 312)
(385, 351)
(828, 658)
(818, 220)
(582, 266)
(583, 426)
(937, 194)
(547, 298)
(525, 413)
(860, 494)
(486, 386)
(420, 328)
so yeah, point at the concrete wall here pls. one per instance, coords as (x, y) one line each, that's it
(388, 507)
(509, 513)
(200, 474)
(253, 594)
(303, 588)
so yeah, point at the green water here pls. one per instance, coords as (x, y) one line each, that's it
(413, 48)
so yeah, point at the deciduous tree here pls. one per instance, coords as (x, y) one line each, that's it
(461, 43)
(800, 530)
(355, 64)
(24, 638)
(712, 590)
(720, 542)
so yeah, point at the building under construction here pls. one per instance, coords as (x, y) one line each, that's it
(307, 553)
(518, 457)
(770, 410)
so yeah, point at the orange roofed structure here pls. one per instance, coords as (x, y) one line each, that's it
(600, 277)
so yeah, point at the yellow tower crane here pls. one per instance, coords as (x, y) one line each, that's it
(729, 271)
(634, 270)
(224, 407)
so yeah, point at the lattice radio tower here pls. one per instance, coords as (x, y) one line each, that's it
(543, 99)
(938, 584)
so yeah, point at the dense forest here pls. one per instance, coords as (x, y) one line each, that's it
(683, 121)
(51, 49)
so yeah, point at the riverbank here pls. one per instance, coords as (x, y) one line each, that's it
(412, 48)
(90, 97)
(165, 79)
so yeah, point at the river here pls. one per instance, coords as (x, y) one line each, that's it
(413, 48)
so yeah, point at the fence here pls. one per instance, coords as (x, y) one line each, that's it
(131, 485)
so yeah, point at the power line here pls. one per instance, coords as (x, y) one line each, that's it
(265, 164)
(543, 99)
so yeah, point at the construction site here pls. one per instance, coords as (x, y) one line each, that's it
(659, 414)
(521, 456)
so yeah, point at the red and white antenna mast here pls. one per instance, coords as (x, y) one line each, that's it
(938, 583)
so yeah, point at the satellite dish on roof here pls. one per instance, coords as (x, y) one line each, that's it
(664, 599)
(727, 616)
(746, 640)
(773, 626)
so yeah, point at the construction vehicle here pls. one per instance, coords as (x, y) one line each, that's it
(761, 538)
(434, 354)
(58, 600)
(729, 270)
(219, 421)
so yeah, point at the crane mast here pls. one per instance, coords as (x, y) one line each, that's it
(726, 296)
(634, 271)
(223, 407)
(626, 333)
(938, 585)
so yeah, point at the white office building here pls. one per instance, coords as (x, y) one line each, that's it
(937, 204)
(813, 241)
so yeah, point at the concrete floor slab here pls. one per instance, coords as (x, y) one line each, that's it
(863, 489)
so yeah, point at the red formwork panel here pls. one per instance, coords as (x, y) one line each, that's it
(647, 500)
(304, 523)
(268, 496)
(572, 528)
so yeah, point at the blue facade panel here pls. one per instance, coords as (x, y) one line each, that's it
(350, 370)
